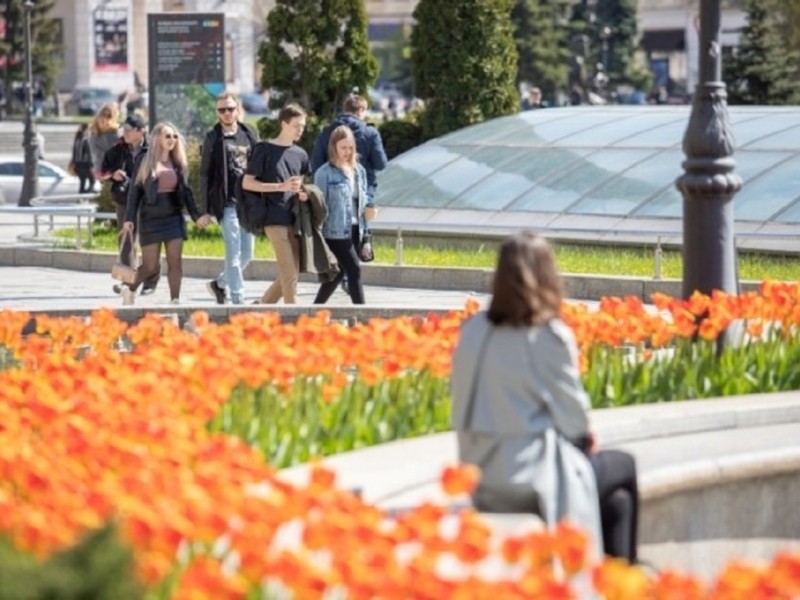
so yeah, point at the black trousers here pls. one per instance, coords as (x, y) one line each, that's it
(349, 264)
(618, 491)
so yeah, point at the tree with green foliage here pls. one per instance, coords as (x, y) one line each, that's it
(761, 70)
(464, 61)
(542, 41)
(316, 53)
(615, 34)
(46, 51)
(788, 15)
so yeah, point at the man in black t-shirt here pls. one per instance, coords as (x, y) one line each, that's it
(226, 150)
(276, 169)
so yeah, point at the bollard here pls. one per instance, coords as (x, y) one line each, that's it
(657, 259)
(398, 248)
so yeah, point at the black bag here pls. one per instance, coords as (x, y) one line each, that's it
(251, 208)
(367, 253)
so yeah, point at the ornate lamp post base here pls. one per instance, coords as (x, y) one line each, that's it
(709, 182)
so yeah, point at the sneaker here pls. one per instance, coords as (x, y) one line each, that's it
(128, 296)
(175, 301)
(117, 288)
(148, 290)
(216, 291)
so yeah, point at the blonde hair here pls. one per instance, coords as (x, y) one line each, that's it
(342, 132)
(105, 119)
(177, 155)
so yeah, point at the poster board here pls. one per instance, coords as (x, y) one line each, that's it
(110, 38)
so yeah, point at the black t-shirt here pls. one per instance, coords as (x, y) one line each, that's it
(271, 163)
(237, 150)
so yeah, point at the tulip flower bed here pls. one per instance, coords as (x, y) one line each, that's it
(176, 437)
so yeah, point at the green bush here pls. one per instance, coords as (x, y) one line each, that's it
(400, 135)
(97, 568)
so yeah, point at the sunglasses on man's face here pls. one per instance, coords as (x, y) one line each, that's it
(226, 109)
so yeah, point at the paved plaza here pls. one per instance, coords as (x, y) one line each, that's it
(37, 288)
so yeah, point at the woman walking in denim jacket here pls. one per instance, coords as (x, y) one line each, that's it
(344, 184)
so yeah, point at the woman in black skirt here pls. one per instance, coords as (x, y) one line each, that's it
(158, 196)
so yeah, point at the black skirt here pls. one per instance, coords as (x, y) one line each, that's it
(162, 221)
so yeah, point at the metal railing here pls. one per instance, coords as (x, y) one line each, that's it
(499, 232)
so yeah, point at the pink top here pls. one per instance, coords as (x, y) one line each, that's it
(167, 177)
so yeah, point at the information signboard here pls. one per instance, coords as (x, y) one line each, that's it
(186, 61)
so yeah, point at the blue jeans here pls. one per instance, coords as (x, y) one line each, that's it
(238, 254)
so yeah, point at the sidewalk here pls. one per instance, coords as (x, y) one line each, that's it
(31, 287)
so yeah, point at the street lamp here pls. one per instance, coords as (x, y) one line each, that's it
(709, 182)
(30, 181)
(605, 33)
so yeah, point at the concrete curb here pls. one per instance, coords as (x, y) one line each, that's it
(583, 287)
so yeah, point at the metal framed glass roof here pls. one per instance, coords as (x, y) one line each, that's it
(586, 162)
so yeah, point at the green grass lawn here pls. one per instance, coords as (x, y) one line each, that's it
(572, 258)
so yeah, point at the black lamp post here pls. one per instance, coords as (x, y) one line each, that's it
(605, 33)
(30, 181)
(709, 182)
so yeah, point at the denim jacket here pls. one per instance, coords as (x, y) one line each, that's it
(338, 191)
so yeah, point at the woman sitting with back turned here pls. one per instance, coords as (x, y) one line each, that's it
(521, 412)
(158, 196)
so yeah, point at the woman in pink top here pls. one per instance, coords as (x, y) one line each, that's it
(158, 197)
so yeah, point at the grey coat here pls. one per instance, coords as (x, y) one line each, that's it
(99, 144)
(529, 404)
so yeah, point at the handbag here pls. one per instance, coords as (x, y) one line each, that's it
(367, 253)
(123, 270)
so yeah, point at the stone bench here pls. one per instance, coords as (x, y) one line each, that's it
(719, 478)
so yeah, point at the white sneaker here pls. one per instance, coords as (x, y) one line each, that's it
(128, 296)
(175, 301)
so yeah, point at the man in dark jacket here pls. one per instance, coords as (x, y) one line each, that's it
(226, 150)
(118, 168)
(369, 144)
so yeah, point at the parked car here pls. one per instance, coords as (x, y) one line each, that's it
(87, 100)
(53, 180)
(255, 104)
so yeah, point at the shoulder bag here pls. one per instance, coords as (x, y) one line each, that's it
(124, 269)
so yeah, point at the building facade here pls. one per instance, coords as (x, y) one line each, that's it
(105, 41)
(669, 30)
(95, 56)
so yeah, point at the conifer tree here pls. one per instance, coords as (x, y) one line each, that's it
(761, 70)
(542, 40)
(316, 53)
(619, 16)
(46, 52)
(464, 62)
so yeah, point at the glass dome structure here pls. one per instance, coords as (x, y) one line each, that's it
(594, 169)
